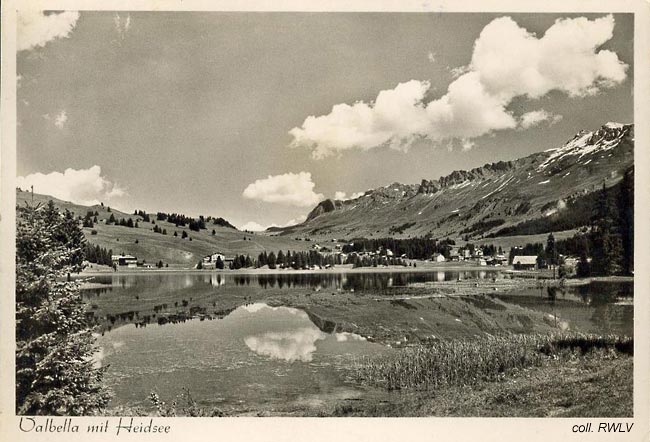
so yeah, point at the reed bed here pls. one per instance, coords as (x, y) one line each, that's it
(467, 362)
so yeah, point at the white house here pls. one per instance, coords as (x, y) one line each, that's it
(438, 257)
(210, 261)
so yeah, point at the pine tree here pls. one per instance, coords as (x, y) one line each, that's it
(54, 344)
(606, 242)
(271, 261)
(626, 211)
(281, 259)
(551, 252)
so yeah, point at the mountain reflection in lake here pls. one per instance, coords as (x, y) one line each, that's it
(256, 355)
(597, 307)
(212, 333)
(290, 279)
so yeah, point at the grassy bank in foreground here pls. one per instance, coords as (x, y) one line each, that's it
(589, 386)
(487, 358)
(569, 375)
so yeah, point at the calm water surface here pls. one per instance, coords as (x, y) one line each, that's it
(256, 357)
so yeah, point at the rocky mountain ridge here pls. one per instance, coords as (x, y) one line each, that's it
(482, 200)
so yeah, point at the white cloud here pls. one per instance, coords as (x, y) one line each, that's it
(536, 117)
(291, 189)
(35, 28)
(252, 226)
(347, 336)
(507, 62)
(256, 227)
(293, 221)
(340, 195)
(431, 57)
(513, 62)
(84, 186)
(297, 345)
(61, 119)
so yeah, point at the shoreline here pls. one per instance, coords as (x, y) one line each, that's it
(540, 277)
(344, 268)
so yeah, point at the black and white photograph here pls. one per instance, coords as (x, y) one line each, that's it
(324, 213)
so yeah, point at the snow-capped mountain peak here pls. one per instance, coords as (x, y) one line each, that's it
(587, 143)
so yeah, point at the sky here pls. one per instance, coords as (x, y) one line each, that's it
(257, 116)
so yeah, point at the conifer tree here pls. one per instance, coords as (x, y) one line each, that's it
(55, 374)
(280, 259)
(551, 252)
(626, 212)
(606, 242)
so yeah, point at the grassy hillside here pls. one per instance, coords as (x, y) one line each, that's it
(507, 242)
(175, 251)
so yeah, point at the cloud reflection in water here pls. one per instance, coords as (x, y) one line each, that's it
(295, 345)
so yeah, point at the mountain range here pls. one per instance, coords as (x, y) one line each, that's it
(549, 190)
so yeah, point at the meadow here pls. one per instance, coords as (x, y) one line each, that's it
(565, 375)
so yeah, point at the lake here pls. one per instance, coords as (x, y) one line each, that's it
(213, 333)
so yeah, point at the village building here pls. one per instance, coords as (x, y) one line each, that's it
(498, 260)
(210, 261)
(525, 262)
(438, 257)
(125, 261)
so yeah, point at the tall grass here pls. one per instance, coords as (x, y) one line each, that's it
(467, 362)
